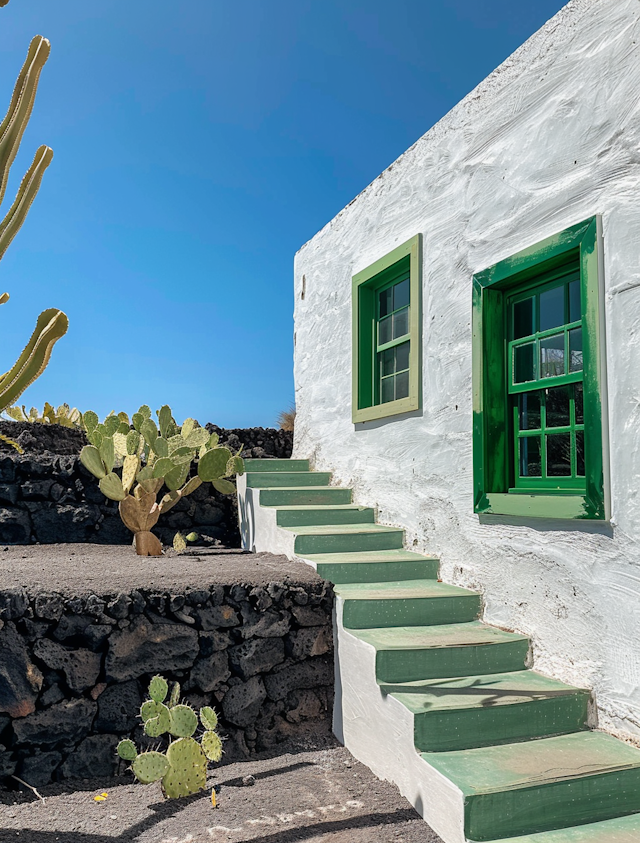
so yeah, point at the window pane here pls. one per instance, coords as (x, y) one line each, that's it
(523, 318)
(386, 362)
(559, 455)
(401, 323)
(529, 410)
(580, 454)
(530, 456)
(552, 356)
(579, 404)
(384, 330)
(402, 385)
(402, 356)
(523, 363)
(401, 295)
(575, 304)
(386, 390)
(558, 407)
(575, 350)
(386, 298)
(551, 308)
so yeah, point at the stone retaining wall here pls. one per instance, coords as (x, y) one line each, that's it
(47, 496)
(74, 670)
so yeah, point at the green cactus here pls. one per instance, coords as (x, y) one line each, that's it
(168, 454)
(183, 768)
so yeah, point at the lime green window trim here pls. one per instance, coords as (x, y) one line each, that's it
(539, 380)
(387, 317)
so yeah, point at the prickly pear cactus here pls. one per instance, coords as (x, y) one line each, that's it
(183, 768)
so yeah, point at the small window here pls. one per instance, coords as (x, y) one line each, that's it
(386, 335)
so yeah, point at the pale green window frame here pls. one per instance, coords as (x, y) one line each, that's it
(402, 262)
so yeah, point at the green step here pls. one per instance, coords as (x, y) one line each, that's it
(472, 711)
(276, 465)
(297, 516)
(308, 495)
(375, 566)
(406, 603)
(275, 479)
(404, 654)
(337, 538)
(618, 830)
(541, 785)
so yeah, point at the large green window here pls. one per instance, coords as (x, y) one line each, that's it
(539, 380)
(386, 335)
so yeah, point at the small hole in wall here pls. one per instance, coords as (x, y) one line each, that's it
(304, 287)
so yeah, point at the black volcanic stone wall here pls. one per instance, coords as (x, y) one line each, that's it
(47, 496)
(74, 670)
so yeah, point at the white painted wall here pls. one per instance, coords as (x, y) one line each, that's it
(549, 139)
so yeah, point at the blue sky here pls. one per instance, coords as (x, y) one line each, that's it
(197, 147)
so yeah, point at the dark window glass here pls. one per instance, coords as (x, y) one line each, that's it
(575, 350)
(386, 390)
(401, 323)
(558, 407)
(401, 295)
(529, 410)
(523, 318)
(559, 455)
(402, 385)
(386, 299)
(386, 362)
(579, 404)
(551, 308)
(575, 304)
(523, 363)
(552, 356)
(530, 465)
(580, 453)
(402, 356)
(384, 330)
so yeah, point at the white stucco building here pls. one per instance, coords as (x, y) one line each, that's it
(467, 348)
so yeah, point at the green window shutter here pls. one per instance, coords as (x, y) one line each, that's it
(538, 380)
(387, 320)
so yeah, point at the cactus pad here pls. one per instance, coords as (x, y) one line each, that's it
(92, 461)
(213, 464)
(150, 766)
(211, 746)
(208, 717)
(90, 420)
(184, 721)
(159, 725)
(158, 689)
(150, 709)
(187, 772)
(111, 486)
(225, 487)
(174, 699)
(127, 750)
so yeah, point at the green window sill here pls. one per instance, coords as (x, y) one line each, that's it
(540, 506)
(391, 408)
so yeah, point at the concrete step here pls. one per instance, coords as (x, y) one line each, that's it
(406, 603)
(338, 538)
(473, 711)
(619, 830)
(253, 465)
(375, 566)
(294, 495)
(544, 784)
(405, 654)
(304, 516)
(276, 479)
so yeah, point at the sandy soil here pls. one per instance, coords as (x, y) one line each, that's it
(315, 794)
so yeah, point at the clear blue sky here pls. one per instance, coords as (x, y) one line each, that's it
(197, 146)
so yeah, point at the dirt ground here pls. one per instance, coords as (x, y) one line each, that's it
(315, 794)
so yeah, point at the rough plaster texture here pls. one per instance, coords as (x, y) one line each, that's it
(550, 138)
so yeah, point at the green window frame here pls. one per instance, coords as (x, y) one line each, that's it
(539, 380)
(387, 315)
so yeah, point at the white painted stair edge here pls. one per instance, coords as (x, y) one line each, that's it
(374, 727)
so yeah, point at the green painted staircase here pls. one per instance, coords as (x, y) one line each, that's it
(509, 747)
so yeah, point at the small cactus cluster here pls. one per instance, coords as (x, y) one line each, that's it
(167, 454)
(183, 767)
(63, 415)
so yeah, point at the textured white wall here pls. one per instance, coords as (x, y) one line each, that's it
(549, 139)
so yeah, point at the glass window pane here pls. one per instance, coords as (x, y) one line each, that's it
(551, 308)
(530, 465)
(529, 410)
(579, 404)
(401, 295)
(580, 454)
(575, 303)
(523, 318)
(386, 390)
(402, 385)
(559, 455)
(384, 330)
(558, 407)
(552, 356)
(523, 363)
(402, 356)
(401, 323)
(575, 350)
(386, 362)
(386, 299)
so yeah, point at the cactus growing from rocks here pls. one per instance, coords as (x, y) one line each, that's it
(167, 455)
(183, 768)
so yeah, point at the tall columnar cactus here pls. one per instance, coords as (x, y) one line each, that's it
(52, 323)
(167, 454)
(183, 768)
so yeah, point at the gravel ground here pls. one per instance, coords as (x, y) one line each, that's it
(315, 794)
